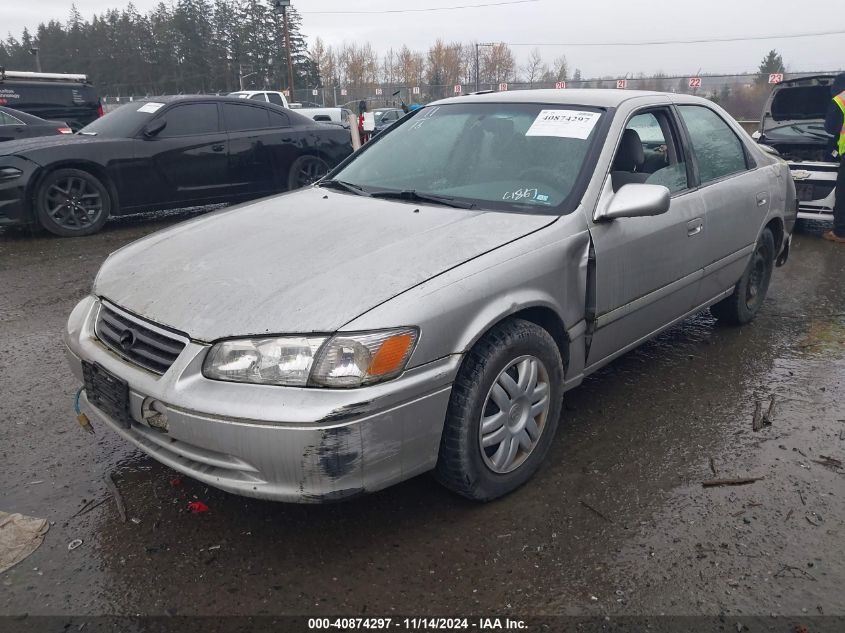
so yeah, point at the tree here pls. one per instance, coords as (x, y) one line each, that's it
(535, 69)
(772, 63)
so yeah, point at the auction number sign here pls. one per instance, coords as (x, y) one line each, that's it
(775, 78)
(503, 87)
(343, 92)
(561, 85)
(621, 84)
(416, 90)
(379, 92)
(695, 82)
(458, 89)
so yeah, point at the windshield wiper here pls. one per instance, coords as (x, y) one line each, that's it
(346, 186)
(413, 196)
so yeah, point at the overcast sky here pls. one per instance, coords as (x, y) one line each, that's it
(563, 22)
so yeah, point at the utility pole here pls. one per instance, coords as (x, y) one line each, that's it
(34, 51)
(281, 6)
(477, 46)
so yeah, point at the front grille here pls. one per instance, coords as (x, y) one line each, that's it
(137, 341)
(808, 192)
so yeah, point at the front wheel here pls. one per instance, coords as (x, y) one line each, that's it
(72, 202)
(750, 291)
(306, 170)
(503, 412)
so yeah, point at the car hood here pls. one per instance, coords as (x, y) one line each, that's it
(309, 261)
(23, 146)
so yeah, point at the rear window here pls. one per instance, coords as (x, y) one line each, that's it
(800, 102)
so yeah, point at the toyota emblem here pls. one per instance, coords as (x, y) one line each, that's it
(127, 340)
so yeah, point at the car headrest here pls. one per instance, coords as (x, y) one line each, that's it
(630, 156)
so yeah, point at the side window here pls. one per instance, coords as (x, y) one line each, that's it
(258, 96)
(279, 119)
(8, 119)
(241, 117)
(717, 149)
(650, 153)
(191, 119)
(276, 98)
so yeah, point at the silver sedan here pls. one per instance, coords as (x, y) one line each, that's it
(426, 305)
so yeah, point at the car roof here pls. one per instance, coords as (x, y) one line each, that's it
(597, 97)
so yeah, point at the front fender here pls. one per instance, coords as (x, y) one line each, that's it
(546, 269)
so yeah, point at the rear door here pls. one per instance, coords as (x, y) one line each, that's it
(189, 156)
(646, 270)
(251, 148)
(736, 196)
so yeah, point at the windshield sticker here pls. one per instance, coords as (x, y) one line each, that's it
(526, 195)
(151, 107)
(564, 123)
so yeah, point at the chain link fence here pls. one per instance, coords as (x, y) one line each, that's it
(743, 95)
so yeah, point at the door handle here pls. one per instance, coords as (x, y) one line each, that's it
(218, 148)
(762, 199)
(694, 227)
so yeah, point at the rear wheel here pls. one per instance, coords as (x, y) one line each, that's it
(72, 202)
(306, 170)
(503, 412)
(750, 291)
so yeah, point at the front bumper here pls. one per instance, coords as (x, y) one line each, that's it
(280, 443)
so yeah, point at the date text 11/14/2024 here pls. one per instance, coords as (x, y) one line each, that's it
(416, 624)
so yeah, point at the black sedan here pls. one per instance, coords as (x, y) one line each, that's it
(170, 152)
(15, 124)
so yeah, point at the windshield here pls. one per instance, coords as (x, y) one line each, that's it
(124, 122)
(496, 156)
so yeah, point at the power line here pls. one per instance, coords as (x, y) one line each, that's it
(428, 10)
(784, 36)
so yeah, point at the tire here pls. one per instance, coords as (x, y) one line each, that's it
(464, 465)
(71, 203)
(306, 170)
(750, 291)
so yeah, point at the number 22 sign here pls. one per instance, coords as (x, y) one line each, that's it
(695, 82)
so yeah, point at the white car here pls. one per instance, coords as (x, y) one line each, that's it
(793, 124)
(271, 96)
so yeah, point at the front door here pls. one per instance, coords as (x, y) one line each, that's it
(646, 270)
(188, 159)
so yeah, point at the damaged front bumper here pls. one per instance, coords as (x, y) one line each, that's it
(280, 443)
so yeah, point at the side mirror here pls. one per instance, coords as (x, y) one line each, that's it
(638, 200)
(154, 127)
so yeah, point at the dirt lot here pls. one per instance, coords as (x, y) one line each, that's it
(616, 523)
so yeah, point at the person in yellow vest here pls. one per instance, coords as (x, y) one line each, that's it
(835, 125)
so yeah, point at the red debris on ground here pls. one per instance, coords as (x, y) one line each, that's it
(176, 482)
(197, 507)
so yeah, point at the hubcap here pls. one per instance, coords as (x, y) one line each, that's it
(514, 415)
(312, 170)
(73, 203)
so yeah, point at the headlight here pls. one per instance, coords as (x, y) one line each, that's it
(344, 360)
(264, 361)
